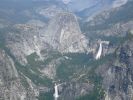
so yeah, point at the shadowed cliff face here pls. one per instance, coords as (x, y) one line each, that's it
(118, 79)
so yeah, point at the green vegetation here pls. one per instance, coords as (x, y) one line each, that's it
(102, 60)
(46, 96)
(76, 63)
(78, 58)
(124, 14)
(34, 63)
(64, 71)
(2, 40)
(68, 67)
(91, 76)
(24, 81)
(51, 55)
(35, 77)
(31, 69)
(96, 94)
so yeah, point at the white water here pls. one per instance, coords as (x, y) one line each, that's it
(107, 97)
(99, 52)
(56, 94)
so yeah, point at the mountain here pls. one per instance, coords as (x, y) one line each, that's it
(66, 49)
(91, 7)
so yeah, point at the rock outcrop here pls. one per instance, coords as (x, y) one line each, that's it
(118, 81)
(62, 34)
(11, 87)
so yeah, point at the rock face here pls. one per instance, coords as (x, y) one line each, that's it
(48, 45)
(64, 34)
(118, 79)
(78, 89)
(11, 87)
(25, 40)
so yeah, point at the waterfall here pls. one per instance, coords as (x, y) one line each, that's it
(56, 94)
(99, 52)
(107, 97)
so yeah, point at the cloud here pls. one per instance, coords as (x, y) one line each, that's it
(118, 3)
(66, 1)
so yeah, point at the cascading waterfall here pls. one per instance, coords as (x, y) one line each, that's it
(107, 97)
(56, 94)
(99, 52)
